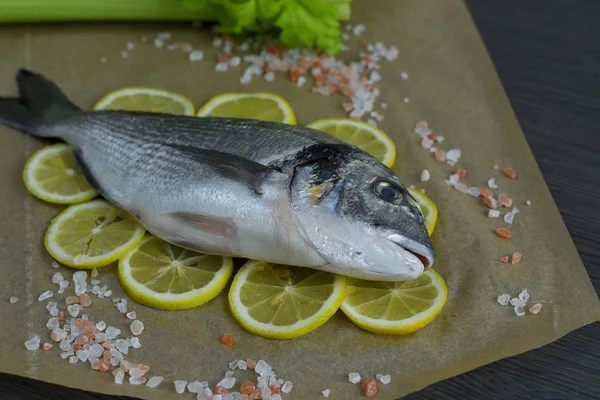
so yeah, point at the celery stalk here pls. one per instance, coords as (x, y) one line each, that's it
(18, 11)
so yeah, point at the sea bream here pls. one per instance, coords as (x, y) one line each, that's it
(238, 187)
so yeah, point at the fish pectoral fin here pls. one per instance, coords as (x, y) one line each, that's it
(230, 166)
(217, 226)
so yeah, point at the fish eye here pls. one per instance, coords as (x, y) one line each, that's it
(386, 191)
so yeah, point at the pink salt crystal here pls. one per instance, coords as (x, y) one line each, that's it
(426, 143)
(136, 327)
(85, 300)
(536, 308)
(422, 125)
(72, 300)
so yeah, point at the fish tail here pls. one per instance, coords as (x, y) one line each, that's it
(40, 104)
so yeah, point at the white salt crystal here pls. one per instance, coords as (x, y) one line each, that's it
(354, 377)
(492, 183)
(262, 368)
(524, 295)
(114, 362)
(270, 76)
(64, 355)
(383, 105)
(112, 332)
(46, 295)
(452, 156)
(122, 346)
(83, 355)
(358, 29)
(217, 42)
(84, 317)
(116, 354)
(473, 191)
(504, 299)
(326, 392)
(65, 344)
(528, 202)
(57, 278)
(180, 386)
(33, 343)
(108, 293)
(130, 45)
(154, 381)
(13, 299)
(404, 75)
(131, 315)
(287, 387)
(101, 325)
(62, 286)
(406, 100)
(119, 376)
(74, 309)
(51, 305)
(135, 372)
(301, 81)
(375, 76)
(137, 327)
(137, 381)
(217, 397)
(54, 312)
(235, 61)
(452, 180)
(425, 175)
(493, 213)
(135, 343)
(124, 54)
(385, 379)
(95, 282)
(52, 324)
(233, 364)
(515, 302)
(228, 382)
(196, 55)
(439, 138)
(122, 306)
(221, 67)
(509, 217)
(101, 337)
(242, 364)
(195, 387)
(55, 264)
(73, 359)
(74, 331)
(519, 311)
(164, 35)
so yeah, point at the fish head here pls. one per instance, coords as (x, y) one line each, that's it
(361, 219)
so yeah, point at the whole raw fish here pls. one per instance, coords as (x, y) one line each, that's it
(238, 187)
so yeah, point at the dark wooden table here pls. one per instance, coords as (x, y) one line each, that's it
(547, 53)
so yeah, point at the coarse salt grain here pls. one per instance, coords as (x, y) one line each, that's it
(492, 183)
(503, 233)
(112, 332)
(33, 343)
(452, 156)
(406, 100)
(195, 387)
(52, 324)
(425, 176)
(55, 264)
(119, 377)
(528, 202)
(516, 302)
(287, 387)
(326, 392)
(57, 278)
(519, 311)
(180, 386)
(473, 191)
(131, 315)
(404, 75)
(46, 295)
(385, 379)
(461, 187)
(536, 308)
(13, 299)
(452, 180)
(516, 258)
(504, 299)
(137, 381)
(524, 295)
(154, 381)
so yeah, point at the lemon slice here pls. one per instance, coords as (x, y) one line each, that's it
(92, 234)
(428, 207)
(281, 302)
(160, 275)
(137, 98)
(52, 174)
(260, 105)
(361, 135)
(395, 308)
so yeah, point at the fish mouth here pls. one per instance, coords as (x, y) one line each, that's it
(423, 252)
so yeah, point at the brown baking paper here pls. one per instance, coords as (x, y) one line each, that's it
(451, 83)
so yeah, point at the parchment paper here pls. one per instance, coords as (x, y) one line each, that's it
(452, 84)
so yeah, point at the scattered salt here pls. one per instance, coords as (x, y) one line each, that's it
(154, 381)
(262, 368)
(404, 75)
(13, 299)
(528, 202)
(137, 381)
(196, 55)
(52, 324)
(112, 332)
(242, 364)
(473, 191)
(33, 343)
(83, 355)
(180, 386)
(55, 264)
(58, 334)
(406, 100)
(195, 387)
(509, 217)
(385, 379)
(51, 305)
(493, 213)
(358, 29)
(137, 327)
(524, 295)
(536, 308)
(57, 278)
(425, 175)
(119, 377)
(228, 382)
(287, 387)
(73, 359)
(46, 295)
(452, 156)
(516, 302)
(452, 180)
(122, 306)
(354, 377)
(519, 311)
(130, 45)
(326, 392)
(101, 325)
(124, 54)
(62, 286)
(135, 372)
(492, 183)
(504, 299)
(135, 343)
(131, 315)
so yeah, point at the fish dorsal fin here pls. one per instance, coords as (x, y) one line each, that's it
(236, 168)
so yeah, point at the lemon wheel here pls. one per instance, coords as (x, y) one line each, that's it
(137, 98)
(260, 105)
